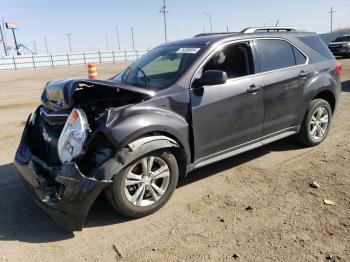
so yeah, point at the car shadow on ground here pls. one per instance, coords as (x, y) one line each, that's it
(22, 220)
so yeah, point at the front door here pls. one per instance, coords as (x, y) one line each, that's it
(228, 115)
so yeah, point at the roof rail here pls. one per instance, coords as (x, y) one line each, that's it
(217, 33)
(269, 29)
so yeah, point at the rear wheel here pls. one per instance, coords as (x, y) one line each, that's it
(145, 185)
(316, 123)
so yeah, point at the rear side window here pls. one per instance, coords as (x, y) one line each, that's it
(300, 59)
(318, 45)
(275, 54)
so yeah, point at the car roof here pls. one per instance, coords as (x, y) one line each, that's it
(208, 39)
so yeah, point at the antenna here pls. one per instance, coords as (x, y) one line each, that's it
(164, 12)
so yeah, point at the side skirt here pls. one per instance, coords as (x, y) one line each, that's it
(243, 148)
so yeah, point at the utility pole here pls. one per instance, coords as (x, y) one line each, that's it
(35, 49)
(106, 36)
(70, 46)
(277, 22)
(14, 38)
(3, 40)
(116, 28)
(331, 13)
(132, 38)
(209, 16)
(227, 28)
(47, 49)
(164, 12)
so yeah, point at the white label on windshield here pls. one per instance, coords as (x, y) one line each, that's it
(187, 50)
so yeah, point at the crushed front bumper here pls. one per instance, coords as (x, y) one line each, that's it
(69, 200)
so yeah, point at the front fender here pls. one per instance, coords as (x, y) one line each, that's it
(130, 126)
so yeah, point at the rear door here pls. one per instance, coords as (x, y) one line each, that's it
(228, 115)
(285, 72)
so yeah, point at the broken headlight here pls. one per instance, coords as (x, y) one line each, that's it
(73, 136)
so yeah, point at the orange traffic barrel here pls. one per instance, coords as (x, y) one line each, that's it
(92, 71)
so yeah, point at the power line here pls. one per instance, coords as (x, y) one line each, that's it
(164, 12)
(331, 13)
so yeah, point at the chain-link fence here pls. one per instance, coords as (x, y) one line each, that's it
(68, 59)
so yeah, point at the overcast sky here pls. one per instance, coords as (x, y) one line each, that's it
(90, 20)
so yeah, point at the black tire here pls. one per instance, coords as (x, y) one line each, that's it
(116, 192)
(304, 136)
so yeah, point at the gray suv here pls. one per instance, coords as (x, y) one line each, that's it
(182, 106)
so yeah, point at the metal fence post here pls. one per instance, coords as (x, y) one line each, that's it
(52, 61)
(113, 57)
(68, 59)
(33, 61)
(99, 56)
(126, 56)
(14, 62)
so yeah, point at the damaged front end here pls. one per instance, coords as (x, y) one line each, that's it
(66, 141)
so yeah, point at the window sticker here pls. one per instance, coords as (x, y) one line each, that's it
(187, 50)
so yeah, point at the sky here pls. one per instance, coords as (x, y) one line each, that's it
(89, 21)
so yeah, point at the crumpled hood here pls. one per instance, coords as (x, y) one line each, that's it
(58, 95)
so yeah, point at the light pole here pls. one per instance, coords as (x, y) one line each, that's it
(47, 49)
(209, 16)
(106, 36)
(116, 28)
(132, 38)
(331, 13)
(35, 49)
(3, 40)
(70, 46)
(164, 12)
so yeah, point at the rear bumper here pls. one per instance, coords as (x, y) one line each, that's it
(64, 193)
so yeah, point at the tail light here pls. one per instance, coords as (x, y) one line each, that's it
(338, 69)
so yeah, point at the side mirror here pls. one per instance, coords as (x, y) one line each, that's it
(211, 77)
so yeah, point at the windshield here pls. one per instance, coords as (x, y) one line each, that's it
(160, 67)
(342, 39)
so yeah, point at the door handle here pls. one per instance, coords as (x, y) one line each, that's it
(303, 74)
(253, 89)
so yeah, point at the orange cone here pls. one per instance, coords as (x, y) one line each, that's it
(92, 71)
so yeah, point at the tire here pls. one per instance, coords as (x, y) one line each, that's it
(122, 196)
(305, 135)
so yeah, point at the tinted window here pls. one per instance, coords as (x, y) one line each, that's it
(318, 45)
(300, 59)
(342, 39)
(274, 54)
(236, 60)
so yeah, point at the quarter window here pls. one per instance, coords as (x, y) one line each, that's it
(276, 54)
(300, 59)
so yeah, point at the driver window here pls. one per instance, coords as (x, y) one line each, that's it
(236, 60)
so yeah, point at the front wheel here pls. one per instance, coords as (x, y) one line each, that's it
(316, 123)
(145, 185)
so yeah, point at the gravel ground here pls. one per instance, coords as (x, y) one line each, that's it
(253, 207)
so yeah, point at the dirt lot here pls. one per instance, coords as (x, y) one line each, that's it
(207, 219)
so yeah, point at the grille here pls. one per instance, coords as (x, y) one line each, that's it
(53, 121)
